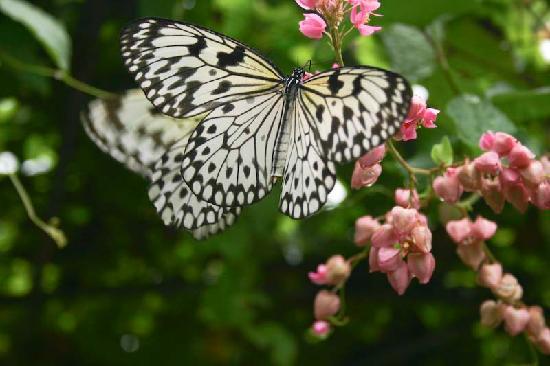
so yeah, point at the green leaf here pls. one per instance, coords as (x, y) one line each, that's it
(442, 153)
(410, 52)
(45, 28)
(8, 108)
(473, 116)
(525, 105)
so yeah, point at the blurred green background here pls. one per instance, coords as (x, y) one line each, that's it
(128, 291)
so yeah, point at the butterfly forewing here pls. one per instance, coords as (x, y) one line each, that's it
(186, 70)
(355, 109)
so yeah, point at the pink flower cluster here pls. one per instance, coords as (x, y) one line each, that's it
(367, 168)
(507, 171)
(314, 25)
(470, 237)
(419, 115)
(401, 247)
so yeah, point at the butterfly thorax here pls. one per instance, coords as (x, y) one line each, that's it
(292, 83)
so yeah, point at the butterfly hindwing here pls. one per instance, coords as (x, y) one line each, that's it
(355, 109)
(186, 70)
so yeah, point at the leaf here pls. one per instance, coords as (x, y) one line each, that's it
(473, 116)
(410, 52)
(525, 105)
(45, 28)
(442, 153)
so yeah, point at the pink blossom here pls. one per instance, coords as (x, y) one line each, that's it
(307, 4)
(338, 270)
(472, 255)
(400, 278)
(517, 195)
(358, 15)
(520, 156)
(313, 26)
(373, 157)
(543, 341)
(407, 131)
(469, 177)
(364, 228)
(385, 236)
(509, 177)
(403, 219)
(487, 141)
(534, 173)
(491, 190)
(429, 116)
(388, 259)
(490, 275)
(321, 328)
(508, 288)
(326, 304)
(503, 143)
(515, 320)
(483, 229)
(365, 177)
(448, 187)
(491, 313)
(459, 230)
(320, 276)
(489, 163)
(417, 109)
(421, 265)
(537, 322)
(422, 239)
(403, 198)
(541, 198)
(367, 30)
(373, 259)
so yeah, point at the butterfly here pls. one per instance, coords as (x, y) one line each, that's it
(258, 126)
(130, 130)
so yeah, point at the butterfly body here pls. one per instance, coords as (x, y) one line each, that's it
(258, 125)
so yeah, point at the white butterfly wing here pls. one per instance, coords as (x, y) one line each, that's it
(186, 70)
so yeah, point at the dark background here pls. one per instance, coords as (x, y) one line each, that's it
(128, 291)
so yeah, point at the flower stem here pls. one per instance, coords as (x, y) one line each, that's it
(56, 234)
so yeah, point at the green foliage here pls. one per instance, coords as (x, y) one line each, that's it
(442, 153)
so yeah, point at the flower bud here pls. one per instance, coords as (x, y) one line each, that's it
(469, 177)
(491, 191)
(517, 195)
(326, 304)
(490, 275)
(488, 163)
(491, 314)
(307, 4)
(520, 156)
(338, 270)
(515, 320)
(447, 187)
(534, 173)
(365, 177)
(384, 236)
(543, 341)
(536, 321)
(508, 289)
(541, 197)
(320, 328)
(472, 255)
(504, 143)
(429, 117)
(400, 278)
(422, 239)
(373, 157)
(320, 276)
(459, 230)
(487, 141)
(403, 219)
(364, 228)
(483, 229)
(388, 259)
(373, 259)
(403, 198)
(509, 177)
(421, 266)
(313, 26)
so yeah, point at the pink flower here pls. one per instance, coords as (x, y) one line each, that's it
(543, 341)
(338, 270)
(320, 276)
(403, 219)
(509, 177)
(429, 116)
(321, 328)
(472, 255)
(373, 259)
(460, 230)
(367, 30)
(489, 163)
(541, 198)
(520, 156)
(384, 236)
(517, 195)
(487, 141)
(469, 177)
(534, 173)
(356, 17)
(307, 4)
(365, 177)
(448, 187)
(373, 157)
(515, 320)
(360, 14)
(491, 190)
(422, 238)
(503, 143)
(483, 229)
(421, 265)
(407, 131)
(508, 288)
(537, 322)
(400, 278)
(313, 26)
(388, 259)
(326, 304)
(364, 228)
(491, 313)
(417, 109)
(403, 198)
(490, 275)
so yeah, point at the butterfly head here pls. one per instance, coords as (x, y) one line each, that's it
(298, 74)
